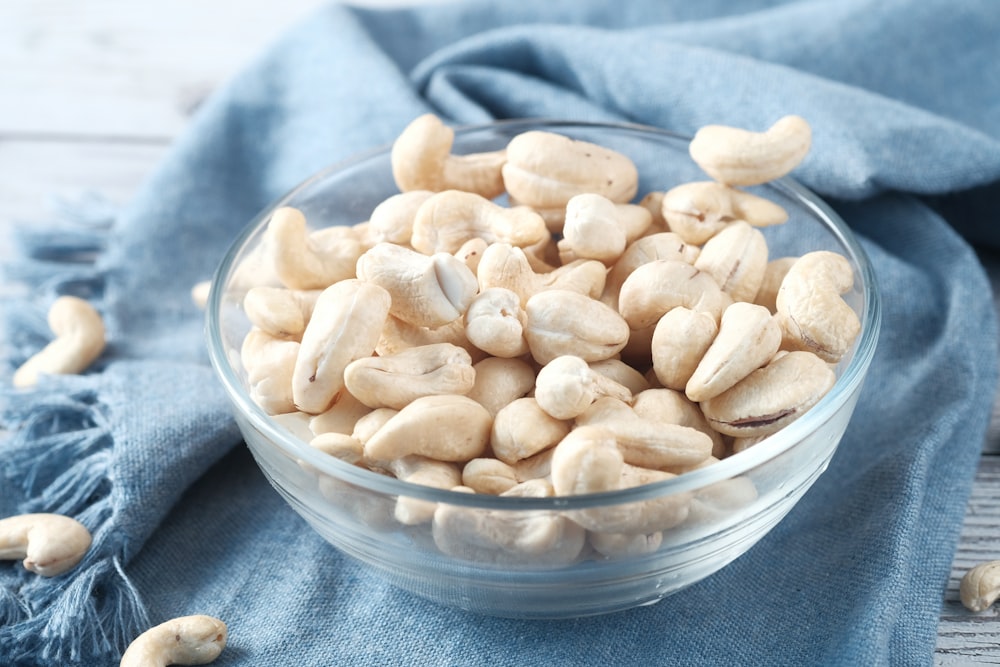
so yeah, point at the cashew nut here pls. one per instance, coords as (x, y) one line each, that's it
(345, 326)
(622, 373)
(661, 404)
(392, 220)
(495, 321)
(200, 293)
(657, 287)
(411, 511)
(566, 386)
(563, 322)
(665, 245)
(597, 228)
(446, 428)
(587, 460)
(739, 157)
(422, 160)
(307, 261)
(521, 429)
(648, 444)
(680, 340)
(748, 337)
(736, 258)
(79, 340)
(396, 380)
(812, 314)
(623, 545)
(49, 544)
(546, 170)
(398, 335)
(500, 381)
(426, 291)
(450, 218)
(341, 446)
(270, 364)
(188, 640)
(698, 211)
(279, 311)
(339, 417)
(980, 586)
(489, 475)
(771, 397)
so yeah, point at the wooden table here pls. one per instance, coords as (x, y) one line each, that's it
(92, 93)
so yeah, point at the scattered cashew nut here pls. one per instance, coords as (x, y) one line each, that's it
(49, 544)
(980, 586)
(187, 640)
(739, 157)
(79, 340)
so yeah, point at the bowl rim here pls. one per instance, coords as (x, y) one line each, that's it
(732, 466)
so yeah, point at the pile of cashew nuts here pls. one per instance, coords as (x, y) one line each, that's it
(562, 341)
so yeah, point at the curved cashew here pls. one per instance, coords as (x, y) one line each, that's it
(345, 326)
(369, 424)
(980, 586)
(771, 397)
(698, 211)
(648, 444)
(545, 170)
(422, 160)
(665, 245)
(587, 460)
(450, 218)
(49, 544)
(562, 322)
(307, 261)
(748, 337)
(396, 380)
(495, 321)
(566, 386)
(736, 258)
(680, 340)
(812, 314)
(658, 287)
(392, 220)
(738, 157)
(537, 537)
(500, 381)
(79, 340)
(775, 272)
(270, 365)
(280, 311)
(188, 640)
(506, 266)
(426, 291)
(445, 428)
(522, 429)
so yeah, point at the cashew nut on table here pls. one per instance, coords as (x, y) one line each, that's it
(515, 323)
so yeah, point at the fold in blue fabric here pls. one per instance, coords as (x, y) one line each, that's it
(904, 101)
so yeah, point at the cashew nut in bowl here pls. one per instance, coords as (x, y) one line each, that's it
(394, 381)
(450, 218)
(562, 322)
(566, 386)
(304, 260)
(657, 287)
(187, 640)
(812, 314)
(698, 211)
(736, 156)
(79, 340)
(49, 544)
(422, 160)
(392, 220)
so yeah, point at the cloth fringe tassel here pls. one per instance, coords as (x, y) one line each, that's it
(57, 450)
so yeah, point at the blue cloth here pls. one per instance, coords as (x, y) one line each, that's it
(904, 100)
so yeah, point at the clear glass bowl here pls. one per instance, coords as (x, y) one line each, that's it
(353, 508)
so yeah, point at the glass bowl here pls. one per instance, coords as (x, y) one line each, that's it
(353, 508)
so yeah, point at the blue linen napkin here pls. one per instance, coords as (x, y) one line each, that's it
(904, 100)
